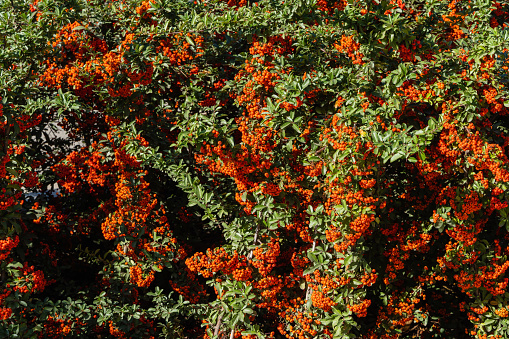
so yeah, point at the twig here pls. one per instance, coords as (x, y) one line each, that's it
(250, 255)
(6, 141)
(308, 291)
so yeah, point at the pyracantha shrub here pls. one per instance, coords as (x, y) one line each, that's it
(241, 169)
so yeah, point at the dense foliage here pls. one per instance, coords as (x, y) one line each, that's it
(242, 169)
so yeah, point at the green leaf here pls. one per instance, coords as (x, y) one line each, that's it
(348, 260)
(396, 157)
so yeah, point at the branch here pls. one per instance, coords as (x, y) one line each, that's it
(218, 324)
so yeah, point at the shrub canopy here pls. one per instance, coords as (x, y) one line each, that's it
(241, 169)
